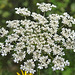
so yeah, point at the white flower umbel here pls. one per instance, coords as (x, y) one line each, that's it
(45, 7)
(57, 50)
(40, 41)
(59, 63)
(44, 62)
(13, 24)
(36, 55)
(23, 11)
(67, 19)
(28, 66)
(11, 38)
(54, 20)
(3, 32)
(6, 48)
(69, 34)
(19, 56)
(40, 18)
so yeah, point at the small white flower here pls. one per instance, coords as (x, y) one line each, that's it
(44, 62)
(40, 18)
(59, 63)
(3, 32)
(36, 55)
(19, 56)
(28, 66)
(23, 11)
(45, 7)
(13, 24)
(67, 19)
(57, 50)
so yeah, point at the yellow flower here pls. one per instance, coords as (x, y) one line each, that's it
(24, 73)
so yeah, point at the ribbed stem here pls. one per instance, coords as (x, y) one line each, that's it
(44, 14)
(39, 71)
(61, 27)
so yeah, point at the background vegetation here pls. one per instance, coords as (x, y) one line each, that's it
(7, 12)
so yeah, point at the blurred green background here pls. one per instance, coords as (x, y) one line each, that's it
(7, 12)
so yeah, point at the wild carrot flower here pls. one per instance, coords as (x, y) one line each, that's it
(40, 41)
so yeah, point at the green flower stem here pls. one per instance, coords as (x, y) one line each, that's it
(61, 27)
(44, 13)
(50, 56)
(39, 71)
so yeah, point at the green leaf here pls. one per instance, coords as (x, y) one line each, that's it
(5, 14)
(67, 72)
(73, 7)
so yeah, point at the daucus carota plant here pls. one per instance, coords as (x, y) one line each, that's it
(40, 41)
